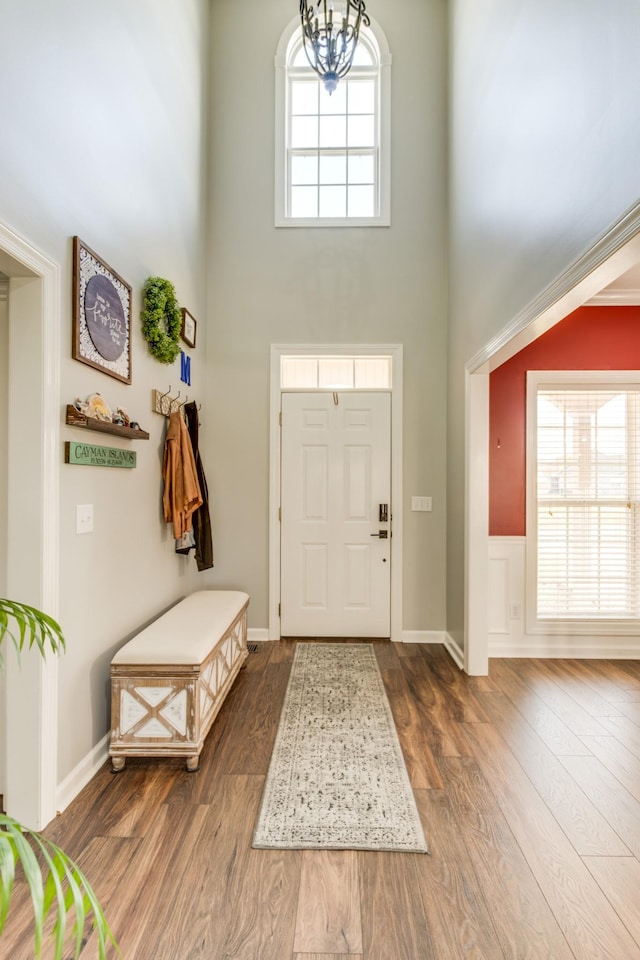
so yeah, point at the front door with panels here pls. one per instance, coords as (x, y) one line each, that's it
(335, 514)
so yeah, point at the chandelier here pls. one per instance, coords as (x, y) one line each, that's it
(330, 29)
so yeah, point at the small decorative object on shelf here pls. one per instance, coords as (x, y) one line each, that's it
(78, 416)
(101, 315)
(161, 319)
(98, 409)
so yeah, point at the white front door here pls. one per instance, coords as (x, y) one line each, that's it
(335, 534)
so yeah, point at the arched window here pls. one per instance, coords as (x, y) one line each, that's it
(332, 150)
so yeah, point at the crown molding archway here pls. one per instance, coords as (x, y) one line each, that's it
(614, 253)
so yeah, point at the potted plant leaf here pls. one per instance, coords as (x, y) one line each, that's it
(57, 886)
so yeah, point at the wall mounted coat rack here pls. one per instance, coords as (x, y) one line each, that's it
(165, 404)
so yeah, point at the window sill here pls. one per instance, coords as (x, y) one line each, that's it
(577, 627)
(319, 222)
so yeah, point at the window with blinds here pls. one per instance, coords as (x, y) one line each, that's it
(587, 477)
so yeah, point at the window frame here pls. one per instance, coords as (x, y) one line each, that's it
(569, 379)
(287, 49)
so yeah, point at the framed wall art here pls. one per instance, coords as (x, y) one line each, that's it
(101, 314)
(188, 331)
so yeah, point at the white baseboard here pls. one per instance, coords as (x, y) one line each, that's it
(423, 636)
(261, 635)
(79, 777)
(454, 650)
(572, 648)
(436, 636)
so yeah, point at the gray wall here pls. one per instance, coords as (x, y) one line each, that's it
(105, 135)
(361, 285)
(103, 120)
(545, 136)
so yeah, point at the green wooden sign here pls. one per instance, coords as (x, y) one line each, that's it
(89, 455)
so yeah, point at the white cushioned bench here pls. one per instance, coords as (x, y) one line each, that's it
(170, 680)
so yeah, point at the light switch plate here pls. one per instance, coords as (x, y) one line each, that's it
(84, 518)
(421, 504)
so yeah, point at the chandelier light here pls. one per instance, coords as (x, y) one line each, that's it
(330, 29)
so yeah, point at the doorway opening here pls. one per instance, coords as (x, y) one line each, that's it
(615, 254)
(28, 731)
(333, 369)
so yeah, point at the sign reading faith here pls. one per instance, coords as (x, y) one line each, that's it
(89, 455)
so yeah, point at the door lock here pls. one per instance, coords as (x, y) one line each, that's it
(383, 534)
(383, 513)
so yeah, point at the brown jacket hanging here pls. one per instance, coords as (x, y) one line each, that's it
(181, 489)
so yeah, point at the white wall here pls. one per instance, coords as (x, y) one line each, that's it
(4, 342)
(104, 113)
(545, 135)
(367, 285)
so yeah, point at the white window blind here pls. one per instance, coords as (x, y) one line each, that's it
(587, 499)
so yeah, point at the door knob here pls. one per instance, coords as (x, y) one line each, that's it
(383, 534)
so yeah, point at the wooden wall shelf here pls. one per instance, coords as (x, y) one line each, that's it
(76, 419)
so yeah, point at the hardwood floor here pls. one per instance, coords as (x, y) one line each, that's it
(527, 783)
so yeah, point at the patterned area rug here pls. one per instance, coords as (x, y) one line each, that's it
(337, 778)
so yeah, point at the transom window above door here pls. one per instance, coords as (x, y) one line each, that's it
(335, 373)
(332, 150)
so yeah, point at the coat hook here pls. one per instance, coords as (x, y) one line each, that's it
(163, 395)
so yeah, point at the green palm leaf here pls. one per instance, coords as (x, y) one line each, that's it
(24, 623)
(66, 891)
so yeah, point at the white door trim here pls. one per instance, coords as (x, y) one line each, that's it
(611, 255)
(476, 647)
(32, 766)
(395, 352)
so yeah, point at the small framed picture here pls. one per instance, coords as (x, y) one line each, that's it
(101, 314)
(188, 331)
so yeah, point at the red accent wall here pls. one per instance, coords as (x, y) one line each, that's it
(591, 338)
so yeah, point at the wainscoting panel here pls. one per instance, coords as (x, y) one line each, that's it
(506, 621)
(505, 601)
(498, 611)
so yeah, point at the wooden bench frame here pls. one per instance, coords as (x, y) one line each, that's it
(166, 710)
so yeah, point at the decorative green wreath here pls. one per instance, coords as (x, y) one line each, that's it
(161, 319)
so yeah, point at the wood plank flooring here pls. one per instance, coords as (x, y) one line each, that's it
(527, 783)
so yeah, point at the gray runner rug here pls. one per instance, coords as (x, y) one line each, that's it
(337, 778)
